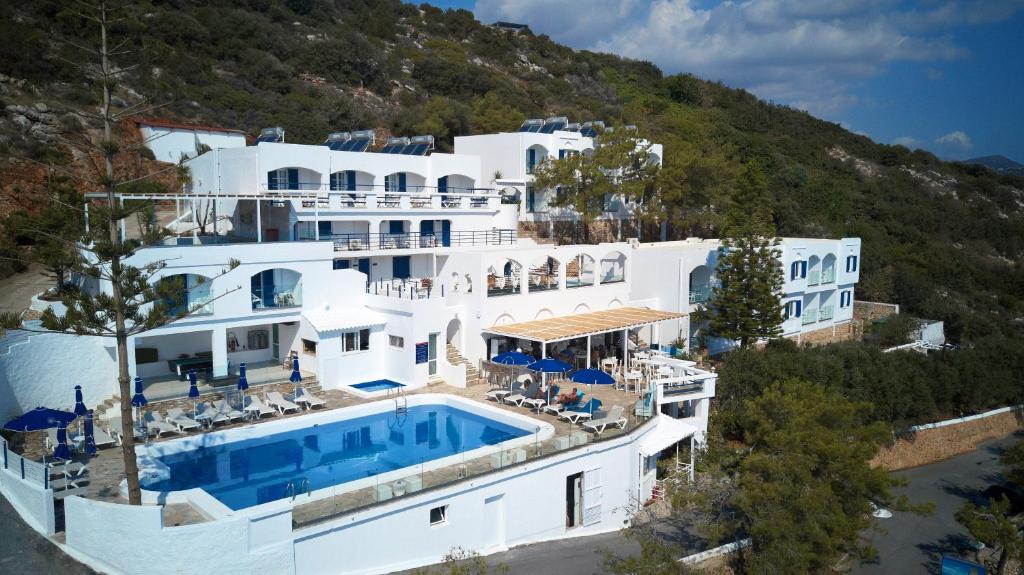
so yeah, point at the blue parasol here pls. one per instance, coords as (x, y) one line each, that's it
(549, 365)
(62, 451)
(296, 376)
(80, 409)
(513, 358)
(592, 377)
(243, 383)
(40, 418)
(193, 389)
(138, 400)
(90, 438)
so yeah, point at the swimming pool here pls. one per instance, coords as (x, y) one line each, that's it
(255, 470)
(377, 385)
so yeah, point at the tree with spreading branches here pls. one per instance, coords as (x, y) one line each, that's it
(124, 300)
(621, 164)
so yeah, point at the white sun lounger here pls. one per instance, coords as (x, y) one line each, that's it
(255, 406)
(206, 413)
(497, 394)
(114, 428)
(277, 400)
(176, 417)
(519, 398)
(69, 469)
(101, 438)
(226, 410)
(156, 426)
(614, 417)
(309, 400)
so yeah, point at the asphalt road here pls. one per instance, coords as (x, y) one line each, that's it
(25, 552)
(915, 544)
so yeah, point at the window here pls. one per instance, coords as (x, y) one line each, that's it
(283, 179)
(439, 515)
(798, 270)
(851, 264)
(259, 339)
(396, 341)
(308, 347)
(845, 298)
(792, 309)
(355, 341)
(343, 181)
(341, 264)
(395, 182)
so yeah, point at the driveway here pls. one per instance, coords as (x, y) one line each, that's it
(25, 552)
(16, 291)
(915, 544)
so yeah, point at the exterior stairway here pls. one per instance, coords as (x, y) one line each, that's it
(472, 373)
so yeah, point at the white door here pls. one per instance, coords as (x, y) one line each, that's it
(492, 528)
(592, 496)
(432, 354)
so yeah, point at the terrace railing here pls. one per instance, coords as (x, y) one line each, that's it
(405, 289)
(825, 313)
(813, 278)
(22, 467)
(327, 197)
(414, 240)
(701, 294)
(810, 316)
(828, 275)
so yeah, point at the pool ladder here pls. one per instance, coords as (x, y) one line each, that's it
(289, 489)
(401, 404)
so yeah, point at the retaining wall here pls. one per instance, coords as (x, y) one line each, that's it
(944, 439)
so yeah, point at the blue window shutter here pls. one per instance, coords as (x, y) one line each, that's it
(401, 181)
(293, 178)
(341, 264)
(799, 308)
(400, 267)
(803, 269)
(272, 181)
(350, 180)
(561, 154)
(396, 227)
(442, 184)
(793, 270)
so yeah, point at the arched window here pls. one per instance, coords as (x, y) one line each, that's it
(293, 179)
(187, 293)
(613, 268)
(579, 271)
(276, 288)
(544, 273)
(504, 279)
(535, 154)
(828, 269)
(813, 270)
(700, 285)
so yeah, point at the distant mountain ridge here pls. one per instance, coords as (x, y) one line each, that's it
(999, 164)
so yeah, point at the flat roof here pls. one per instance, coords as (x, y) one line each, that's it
(583, 324)
(162, 123)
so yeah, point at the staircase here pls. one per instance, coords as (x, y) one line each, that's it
(455, 358)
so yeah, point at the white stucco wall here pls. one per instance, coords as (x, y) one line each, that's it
(44, 369)
(168, 144)
(33, 503)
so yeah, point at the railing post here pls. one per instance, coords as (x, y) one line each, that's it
(5, 454)
(23, 467)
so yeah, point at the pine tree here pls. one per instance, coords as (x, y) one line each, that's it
(745, 305)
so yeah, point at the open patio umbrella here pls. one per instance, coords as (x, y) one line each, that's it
(90, 439)
(549, 365)
(243, 383)
(138, 400)
(193, 389)
(39, 419)
(296, 376)
(592, 377)
(62, 451)
(512, 359)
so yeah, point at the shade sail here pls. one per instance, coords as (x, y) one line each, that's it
(579, 325)
(668, 432)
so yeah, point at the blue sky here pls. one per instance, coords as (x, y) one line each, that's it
(943, 75)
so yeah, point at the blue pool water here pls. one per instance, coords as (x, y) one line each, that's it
(254, 471)
(377, 385)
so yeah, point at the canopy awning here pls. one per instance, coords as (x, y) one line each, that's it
(583, 324)
(343, 319)
(668, 432)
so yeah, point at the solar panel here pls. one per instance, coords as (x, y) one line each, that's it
(532, 125)
(357, 145)
(554, 123)
(271, 135)
(588, 132)
(415, 149)
(392, 149)
(336, 140)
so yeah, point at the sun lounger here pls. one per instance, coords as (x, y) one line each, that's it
(114, 428)
(206, 413)
(101, 438)
(226, 410)
(255, 406)
(67, 469)
(64, 483)
(156, 426)
(539, 402)
(582, 411)
(614, 417)
(555, 408)
(302, 396)
(275, 399)
(519, 398)
(176, 417)
(497, 394)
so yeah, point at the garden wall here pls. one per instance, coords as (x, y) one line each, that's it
(937, 441)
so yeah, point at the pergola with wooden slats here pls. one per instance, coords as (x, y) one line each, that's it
(562, 328)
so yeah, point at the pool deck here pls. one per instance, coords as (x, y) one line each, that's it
(106, 470)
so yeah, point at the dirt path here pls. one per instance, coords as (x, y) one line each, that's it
(16, 291)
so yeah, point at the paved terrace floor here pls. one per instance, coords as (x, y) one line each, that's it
(106, 470)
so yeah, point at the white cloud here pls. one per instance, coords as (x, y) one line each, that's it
(957, 139)
(905, 141)
(811, 55)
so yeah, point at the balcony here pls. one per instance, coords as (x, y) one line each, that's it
(828, 275)
(276, 289)
(810, 316)
(407, 288)
(414, 240)
(825, 313)
(813, 278)
(382, 197)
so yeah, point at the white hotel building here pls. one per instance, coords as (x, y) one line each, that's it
(408, 268)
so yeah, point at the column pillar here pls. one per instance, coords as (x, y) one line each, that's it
(216, 201)
(86, 208)
(120, 221)
(625, 348)
(177, 216)
(132, 367)
(259, 223)
(195, 220)
(589, 346)
(219, 346)
(316, 218)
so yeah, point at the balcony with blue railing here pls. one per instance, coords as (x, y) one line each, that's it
(809, 316)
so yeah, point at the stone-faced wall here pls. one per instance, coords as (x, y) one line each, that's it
(869, 311)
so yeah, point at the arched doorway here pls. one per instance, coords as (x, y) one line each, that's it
(453, 335)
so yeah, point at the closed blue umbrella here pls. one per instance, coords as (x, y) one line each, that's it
(243, 383)
(90, 438)
(80, 408)
(62, 451)
(296, 377)
(513, 358)
(193, 389)
(138, 400)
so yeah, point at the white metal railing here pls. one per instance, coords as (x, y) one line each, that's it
(27, 469)
(825, 313)
(700, 295)
(810, 316)
(813, 278)
(828, 275)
